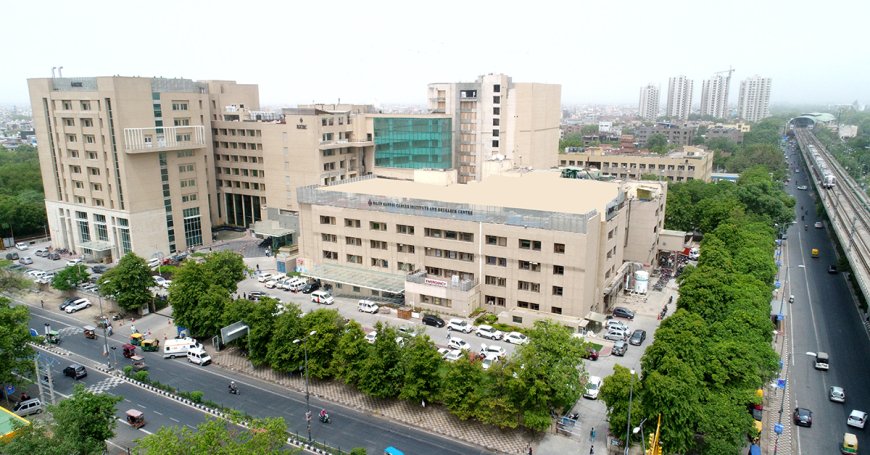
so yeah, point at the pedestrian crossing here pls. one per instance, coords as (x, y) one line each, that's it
(106, 384)
(70, 331)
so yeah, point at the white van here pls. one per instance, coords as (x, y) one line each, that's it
(179, 347)
(28, 407)
(367, 306)
(324, 297)
(295, 284)
(198, 356)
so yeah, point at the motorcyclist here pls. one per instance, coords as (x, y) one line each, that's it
(233, 388)
(324, 416)
(805, 227)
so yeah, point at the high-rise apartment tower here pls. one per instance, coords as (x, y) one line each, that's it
(753, 103)
(648, 107)
(679, 104)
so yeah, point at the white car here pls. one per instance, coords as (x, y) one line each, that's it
(488, 361)
(21, 246)
(614, 324)
(818, 225)
(264, 277)
(460, 325)
(35, 273)
(516, 338)
(79, 304)
(802, 187)
(443, 352)
(837, 394)
(593, 386)
(487, 350)
(271, 284)
(73, 262)
(488, 331)
(453, 355)
(159, 280)
(857, 419)
(615, 335)
(371, 337)
(458, 343)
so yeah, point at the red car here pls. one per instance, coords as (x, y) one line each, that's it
(591, 354)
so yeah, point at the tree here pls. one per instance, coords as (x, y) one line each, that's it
(128, 283)
(571, 140)
(259, 316)
(329, 325)
(462, 388)
(200, 293)
(15, 355)
(616, 392)
(589, 130)
(420, 363)
(657, 143)
(350, 354)
(284, 355)
(225, 269)
(381, 375)
(266, 436)
(70, 277)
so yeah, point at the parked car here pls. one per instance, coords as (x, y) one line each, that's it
(311, 287)
(615, 335)
(367, 306)
(264, 277)
(75, 371)
(492, 350)
(638, 337)
(460, 325)
(73, 262)
(837, 394)
(619, 348)
(453, 355)
(21, 246)
(54, 256)
(432, 320)
(159, 280)
(621, 312)
(488, 331)
(371, 337)
(857, 419)
(458, 343)
(818, 225)
(591, 354)
(42, 252)
(516, 338)
(79, 304)
(488, 361)
(802, 187)
(271, 284)
(593, 386)
(256, 295)
(27, 407)
(614, 324)
(25, 260)
(13, 256)
(803, 417)
(99, 269)
(68, 302)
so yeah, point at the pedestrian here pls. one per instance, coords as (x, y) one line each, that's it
(132, 328)
(258, 267)
(109, 330)
(591, 450)
(148, 334)
(245, 295)
(42, 304)
(448, 336)
(592, 434)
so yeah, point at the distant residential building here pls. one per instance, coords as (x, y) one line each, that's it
(496, 118)
(679, 103)
(753, 103)
(848, 131)
(714, 96)
(605, 127)
(648, 107)
(691, 163)
(675, 134)
(732, 134)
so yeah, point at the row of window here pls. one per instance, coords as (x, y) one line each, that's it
(238, 146)
(521, 285)
(500, 301)
(239, 158)
(241, 171)
(235, 132)
(661, 167)
(329, 121)
(241, 185)
(86, 122)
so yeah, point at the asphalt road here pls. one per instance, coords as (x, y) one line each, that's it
(349, 428)
(824, 318)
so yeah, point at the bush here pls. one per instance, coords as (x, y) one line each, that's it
(196, 396)
(358, 451)
(141, 376)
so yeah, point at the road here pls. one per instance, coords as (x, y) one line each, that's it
(350, 428)
(824, 318)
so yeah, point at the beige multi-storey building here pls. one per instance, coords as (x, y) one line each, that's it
(495, 119)
(645, 209)
(680, 90)
(753, 102)
(502, 244)
(126, 161)
(691, 163)
(714, 96)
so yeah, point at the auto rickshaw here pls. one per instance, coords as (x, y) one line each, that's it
(136, 339)
(850, 444)
(135, 419)
(393, 451)
(52, 337)
(138, 363)
(129, 351)
(150, 345)
(90, 332)
(814, 252)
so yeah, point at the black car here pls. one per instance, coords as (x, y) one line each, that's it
(75, 371)
(53, 256)
(619, 348)
(68, 302)
(311, 287)
(803, 417)
(12, 256)
(99, 269)
(637, 337)
(832, 269)
(620, 312)
(256, 295)
(434, 321)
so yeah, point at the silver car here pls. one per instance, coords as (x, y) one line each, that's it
(837, 394)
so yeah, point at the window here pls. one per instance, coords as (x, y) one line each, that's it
(99, 203)
(526, 265)
(182, 137)
(558, 270)
(179, 105)
(496, 281)
(186, 153)
(496, 99)
(86, 105)
(405, 229)
(78, 184)
(71, 138)
(493, 300)
(496, 88)
(450, 235)
(494, 240)
(92, 155)
(495, 122)
(493, 260)
(377, 262)
(95, 186)
(89, 139)
(330, 255)
(188, 183)
(376, 226)
(557, 290)
(530, 245)
(403, 248)
(556, 310)
(185, 168)
(351, 223)
(559, 248)
(496, 111)
(495, 143)
(517, 319)
(355, 241)
(495, 133)
(405, 266)
(189, 197)
(528, 286)
(93, 171)
(87, 123)
(354, 259)
(378, 244)
(75, 169)
(192, 227)
(329, 238)
(67, 105)
(73, 153)
(181, 122)
(69, 122)
(327, 219)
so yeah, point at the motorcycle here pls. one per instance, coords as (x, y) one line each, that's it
(805, 227)
(234, 390)
(324, 418)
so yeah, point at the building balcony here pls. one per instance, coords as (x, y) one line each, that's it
(161, 139)
(435, 282)
(340, 143)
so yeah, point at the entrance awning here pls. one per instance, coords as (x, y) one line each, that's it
(270, 228)
(369, 279)
(96, 245)
(596, 317)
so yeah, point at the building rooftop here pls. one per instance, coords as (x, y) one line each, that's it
(534, 190)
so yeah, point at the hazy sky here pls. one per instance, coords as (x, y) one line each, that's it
(386, 52)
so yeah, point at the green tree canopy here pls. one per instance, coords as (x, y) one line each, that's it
(70, 277)
(267, 436)
(128, 283)
(15, 354)
(657, 143)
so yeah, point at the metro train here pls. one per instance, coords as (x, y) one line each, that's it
(824, 175)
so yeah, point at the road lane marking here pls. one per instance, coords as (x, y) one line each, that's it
(157, 412)
(174, 420)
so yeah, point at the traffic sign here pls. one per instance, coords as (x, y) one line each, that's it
(779, 317)
(780, 383)
(10, 389)
(777, 428)
(33, 332)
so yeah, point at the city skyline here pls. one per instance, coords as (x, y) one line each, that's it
(305, 53)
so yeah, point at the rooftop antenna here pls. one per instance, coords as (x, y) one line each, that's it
(59, 73)
(52, 71)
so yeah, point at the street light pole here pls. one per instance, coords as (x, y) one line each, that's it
(628, 424)
(639, 428)
(304, 342)
(105, 325)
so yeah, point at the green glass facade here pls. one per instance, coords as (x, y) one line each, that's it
(413, 143)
